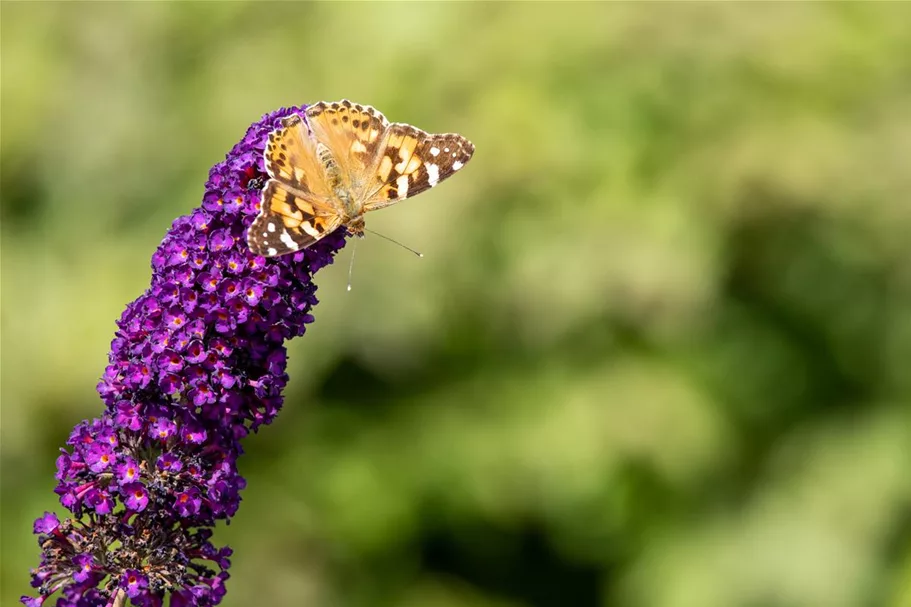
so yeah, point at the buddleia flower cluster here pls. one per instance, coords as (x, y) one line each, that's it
(197, 363)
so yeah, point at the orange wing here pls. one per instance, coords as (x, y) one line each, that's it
(296, 207)
(413, 161)
(353, 133)
(291, 160)
(288, 222)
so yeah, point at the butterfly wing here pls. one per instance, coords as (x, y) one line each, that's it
(291, 160)
(411, 161)
(296, 208)
(353, 133)
(288, 222)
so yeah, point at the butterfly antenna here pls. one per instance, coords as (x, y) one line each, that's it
(394, 242)
(351, 264)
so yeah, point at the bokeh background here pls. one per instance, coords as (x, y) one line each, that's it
(657, 352)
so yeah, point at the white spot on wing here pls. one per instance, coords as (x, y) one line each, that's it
(310, 230)
(287, 240)
(433, 174)
(272, 252)
(271, 227)
(401, 184)
(457, 165)
(434, 151)
(358, 147)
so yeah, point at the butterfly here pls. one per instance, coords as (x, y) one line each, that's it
(337, 161)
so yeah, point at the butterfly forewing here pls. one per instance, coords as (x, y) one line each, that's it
(291, 159)
(412, 161)
(353, 133)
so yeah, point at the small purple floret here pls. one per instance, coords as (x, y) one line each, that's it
(46, 523)
(127, 471)
(168, 462)
(84, 564)
(99, 457)
(135, 496)
(187, 503)
(133, 582)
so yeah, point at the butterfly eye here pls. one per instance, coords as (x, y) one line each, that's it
(256, 183)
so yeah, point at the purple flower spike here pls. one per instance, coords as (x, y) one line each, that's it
(197, 363)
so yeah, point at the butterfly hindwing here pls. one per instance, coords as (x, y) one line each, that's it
(288, 222)
(413, 161)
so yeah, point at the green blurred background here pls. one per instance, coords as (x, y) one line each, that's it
(656, 354)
